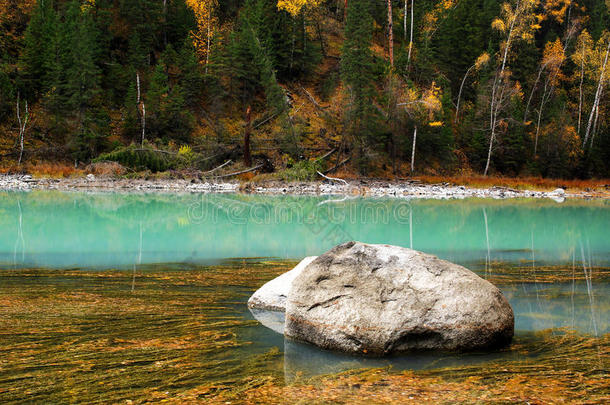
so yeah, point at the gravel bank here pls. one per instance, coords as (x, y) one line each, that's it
(375, 188)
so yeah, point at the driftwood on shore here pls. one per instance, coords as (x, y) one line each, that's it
(241, 172)
(333, 178)
(338, 165)
(217, 167)
(326, 155)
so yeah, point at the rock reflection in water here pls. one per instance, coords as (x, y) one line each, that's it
(550, 306)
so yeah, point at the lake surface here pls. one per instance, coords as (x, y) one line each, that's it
(106, 297)
(59, 230)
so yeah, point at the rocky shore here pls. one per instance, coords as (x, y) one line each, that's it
(374, 188)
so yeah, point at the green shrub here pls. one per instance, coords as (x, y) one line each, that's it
(140, 158)
(304, 170)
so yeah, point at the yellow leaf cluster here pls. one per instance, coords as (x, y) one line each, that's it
(294, 7)
(518, 21)
(206, 24)
(498, 25)
(87, 5)
(431, 18)
(590, 55)
(482, 60)
(553, 57)
(556, 9)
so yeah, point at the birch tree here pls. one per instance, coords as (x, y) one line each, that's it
(590, 58)
(23, 123)
(552, 59)
(554, 53)
(390, 33)
(584, 45)
(141, 108)
(603, 77)
(517, 21)
(204, 11)
(411, 34)
(481, 61)
(421, 108)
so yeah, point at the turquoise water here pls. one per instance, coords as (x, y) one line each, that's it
(60, 230)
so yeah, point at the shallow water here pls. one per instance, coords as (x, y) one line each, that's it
(110, 297)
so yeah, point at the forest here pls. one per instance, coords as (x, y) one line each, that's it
(380, 88)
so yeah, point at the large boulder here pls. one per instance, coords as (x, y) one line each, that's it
(272, 295)
(381, 299)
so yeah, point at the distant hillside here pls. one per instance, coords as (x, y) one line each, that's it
(381, 88)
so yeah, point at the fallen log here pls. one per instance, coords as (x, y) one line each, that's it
(333, 178)
(338, 165)
(218, 167)
(241, 172)
(326, 155)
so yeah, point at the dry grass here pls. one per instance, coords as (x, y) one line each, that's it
(106, 169)
(53, 170)
(521, 183)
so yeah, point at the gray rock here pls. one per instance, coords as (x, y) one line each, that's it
(381, 299)
(272, 296)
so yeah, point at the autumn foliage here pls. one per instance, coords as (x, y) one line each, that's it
(511, 88)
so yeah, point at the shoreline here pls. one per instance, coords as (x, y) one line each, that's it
(365, 188)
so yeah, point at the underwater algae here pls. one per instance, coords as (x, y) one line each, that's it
(179, 334)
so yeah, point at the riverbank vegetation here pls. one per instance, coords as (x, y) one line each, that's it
(460, 88)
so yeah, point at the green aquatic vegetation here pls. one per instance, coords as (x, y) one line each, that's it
(86, 336)
(507, 273)
(566, 368)
(181, 333)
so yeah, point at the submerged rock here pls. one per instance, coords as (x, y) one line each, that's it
(273, 320)
(381, 299)
(272, 296)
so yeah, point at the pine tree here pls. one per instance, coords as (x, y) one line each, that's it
(39, 42)
(358, 70)
(81, 87)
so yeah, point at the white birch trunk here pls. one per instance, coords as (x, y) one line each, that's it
(529, 100)
(413, 151)
(600, 86)
(404, 21)
(143, 122)
(494, 110)
(411, 37)
(491, 142)
(207, 52)
(138, 87)
(457, 108)
(390, 33)
(538, 122)
(23, 122)
(582, 78)
(594, 130)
